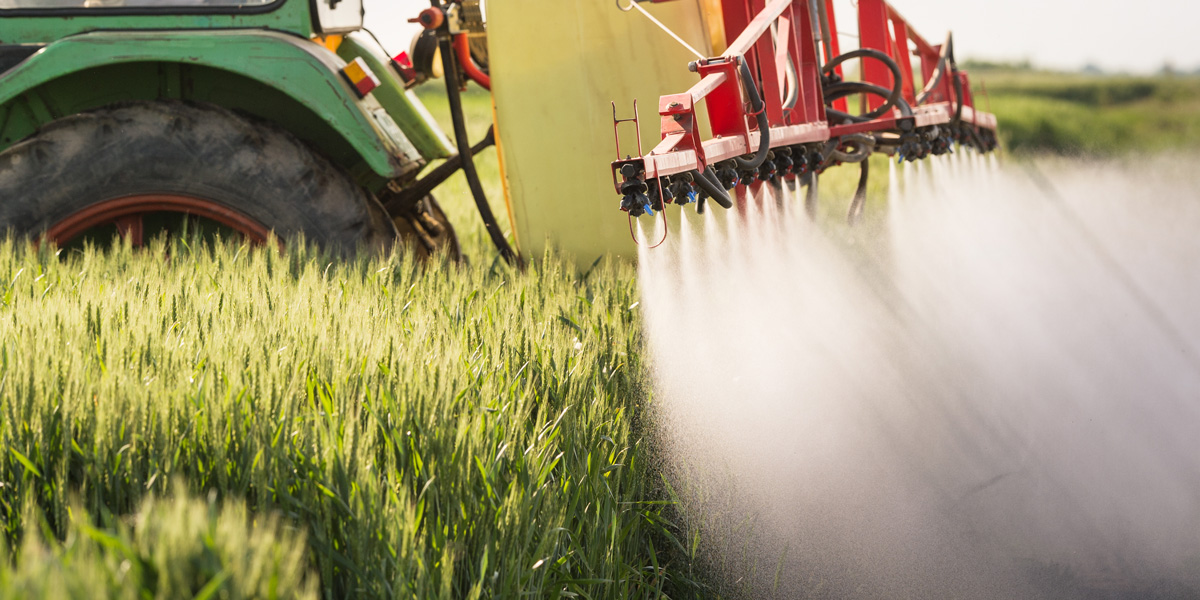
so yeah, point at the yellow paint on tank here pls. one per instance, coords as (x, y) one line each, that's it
(555, 66)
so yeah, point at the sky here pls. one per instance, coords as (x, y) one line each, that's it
(1115, 35)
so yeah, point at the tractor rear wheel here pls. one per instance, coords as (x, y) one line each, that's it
(134, 167)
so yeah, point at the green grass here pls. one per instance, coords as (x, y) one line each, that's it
(232, 420)
(431, 432)
(1095, 115)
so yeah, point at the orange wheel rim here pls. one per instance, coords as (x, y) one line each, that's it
(127, 214)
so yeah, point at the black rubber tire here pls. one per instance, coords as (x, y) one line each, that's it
(196, 150)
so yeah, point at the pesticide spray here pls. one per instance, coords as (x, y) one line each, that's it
(998, 399)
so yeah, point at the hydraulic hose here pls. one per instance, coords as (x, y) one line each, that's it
(850, 88)
(464, 150)
(863, 145)
(958, 92)
(946, 62)
(860, 194)
(892, 98)
(707, 180)
(764, 127)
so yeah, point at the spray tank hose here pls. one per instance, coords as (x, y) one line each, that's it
(468, 162)
(764, 128)
(707, 180)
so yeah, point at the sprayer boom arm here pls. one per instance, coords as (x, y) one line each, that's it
(776, 100)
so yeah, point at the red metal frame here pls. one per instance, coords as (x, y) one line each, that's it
(720, 87)
(883, 28)
(769, 35)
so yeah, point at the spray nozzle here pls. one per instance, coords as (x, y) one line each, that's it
(911, 148)
(784, 165)
(767, 171)
(727, 175)
(636, 204)
(682, 189)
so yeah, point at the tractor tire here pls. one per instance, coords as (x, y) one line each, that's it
(103, 166)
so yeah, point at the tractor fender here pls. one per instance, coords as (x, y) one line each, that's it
(274, 76)
(409, 112)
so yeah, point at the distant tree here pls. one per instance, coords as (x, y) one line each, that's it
(1092, 68)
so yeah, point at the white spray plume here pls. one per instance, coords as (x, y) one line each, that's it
(999, 400)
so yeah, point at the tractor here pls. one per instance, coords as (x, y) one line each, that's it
(253, 117)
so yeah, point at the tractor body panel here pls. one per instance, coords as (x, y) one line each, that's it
(271, 75)
(416, 122)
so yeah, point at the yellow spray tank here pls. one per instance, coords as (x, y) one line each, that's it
(556, 66)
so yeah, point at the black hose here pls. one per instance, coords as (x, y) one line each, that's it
(946, 62)
(863, 146)
(849, 88)
(945, 58)
(892, 98)
(958, 91)
(707, 180)
(464, 150)
(764, 127)
(838, 117)
(860, 194)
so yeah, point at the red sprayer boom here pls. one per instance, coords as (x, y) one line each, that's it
(777, 106)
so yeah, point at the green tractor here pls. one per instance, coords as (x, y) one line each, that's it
(256, 116)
